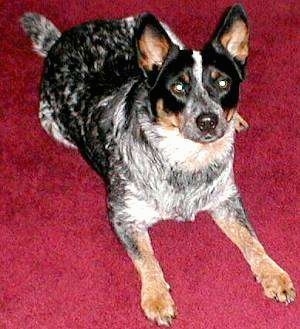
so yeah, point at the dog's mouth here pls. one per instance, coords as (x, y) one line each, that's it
(209, 138)
(204, 139)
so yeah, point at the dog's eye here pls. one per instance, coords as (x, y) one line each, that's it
(179, 88)
(223, 83)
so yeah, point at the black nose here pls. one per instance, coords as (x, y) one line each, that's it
(207, 122)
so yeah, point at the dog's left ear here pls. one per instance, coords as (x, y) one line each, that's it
(153, 44)
(233, 34)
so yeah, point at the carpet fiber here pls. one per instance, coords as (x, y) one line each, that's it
(61, 266)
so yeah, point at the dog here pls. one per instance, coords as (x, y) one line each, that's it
(157, 121)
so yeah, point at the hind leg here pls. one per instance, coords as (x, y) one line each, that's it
(47, 117)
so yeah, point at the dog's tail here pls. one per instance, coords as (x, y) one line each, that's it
(42, 32)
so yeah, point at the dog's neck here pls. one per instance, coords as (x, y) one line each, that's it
(179, 152)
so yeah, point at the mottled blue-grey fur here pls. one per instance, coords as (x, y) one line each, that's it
(95, 96)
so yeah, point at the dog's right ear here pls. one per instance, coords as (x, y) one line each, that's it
(153, 44)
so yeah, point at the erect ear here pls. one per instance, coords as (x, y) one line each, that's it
(153, 43)
(233, 34)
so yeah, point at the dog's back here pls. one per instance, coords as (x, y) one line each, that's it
(83, 66)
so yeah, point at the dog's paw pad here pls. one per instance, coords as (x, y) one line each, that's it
(159, 307)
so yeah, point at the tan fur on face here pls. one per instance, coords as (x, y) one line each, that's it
(192, 155)
(167, 119)
(185, 77)
(236, 40)
(215, 74)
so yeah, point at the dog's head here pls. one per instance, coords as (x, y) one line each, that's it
(195, 93)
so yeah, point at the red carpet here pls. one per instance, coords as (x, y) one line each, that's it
(61, 265)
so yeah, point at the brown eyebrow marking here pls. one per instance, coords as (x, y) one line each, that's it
(185, 77)
(216, 74)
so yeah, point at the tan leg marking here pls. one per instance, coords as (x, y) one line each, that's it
(274, 280)
(240, 123)
(156, 300)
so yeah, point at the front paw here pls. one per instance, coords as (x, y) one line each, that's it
(276, 283)
(158, 305)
